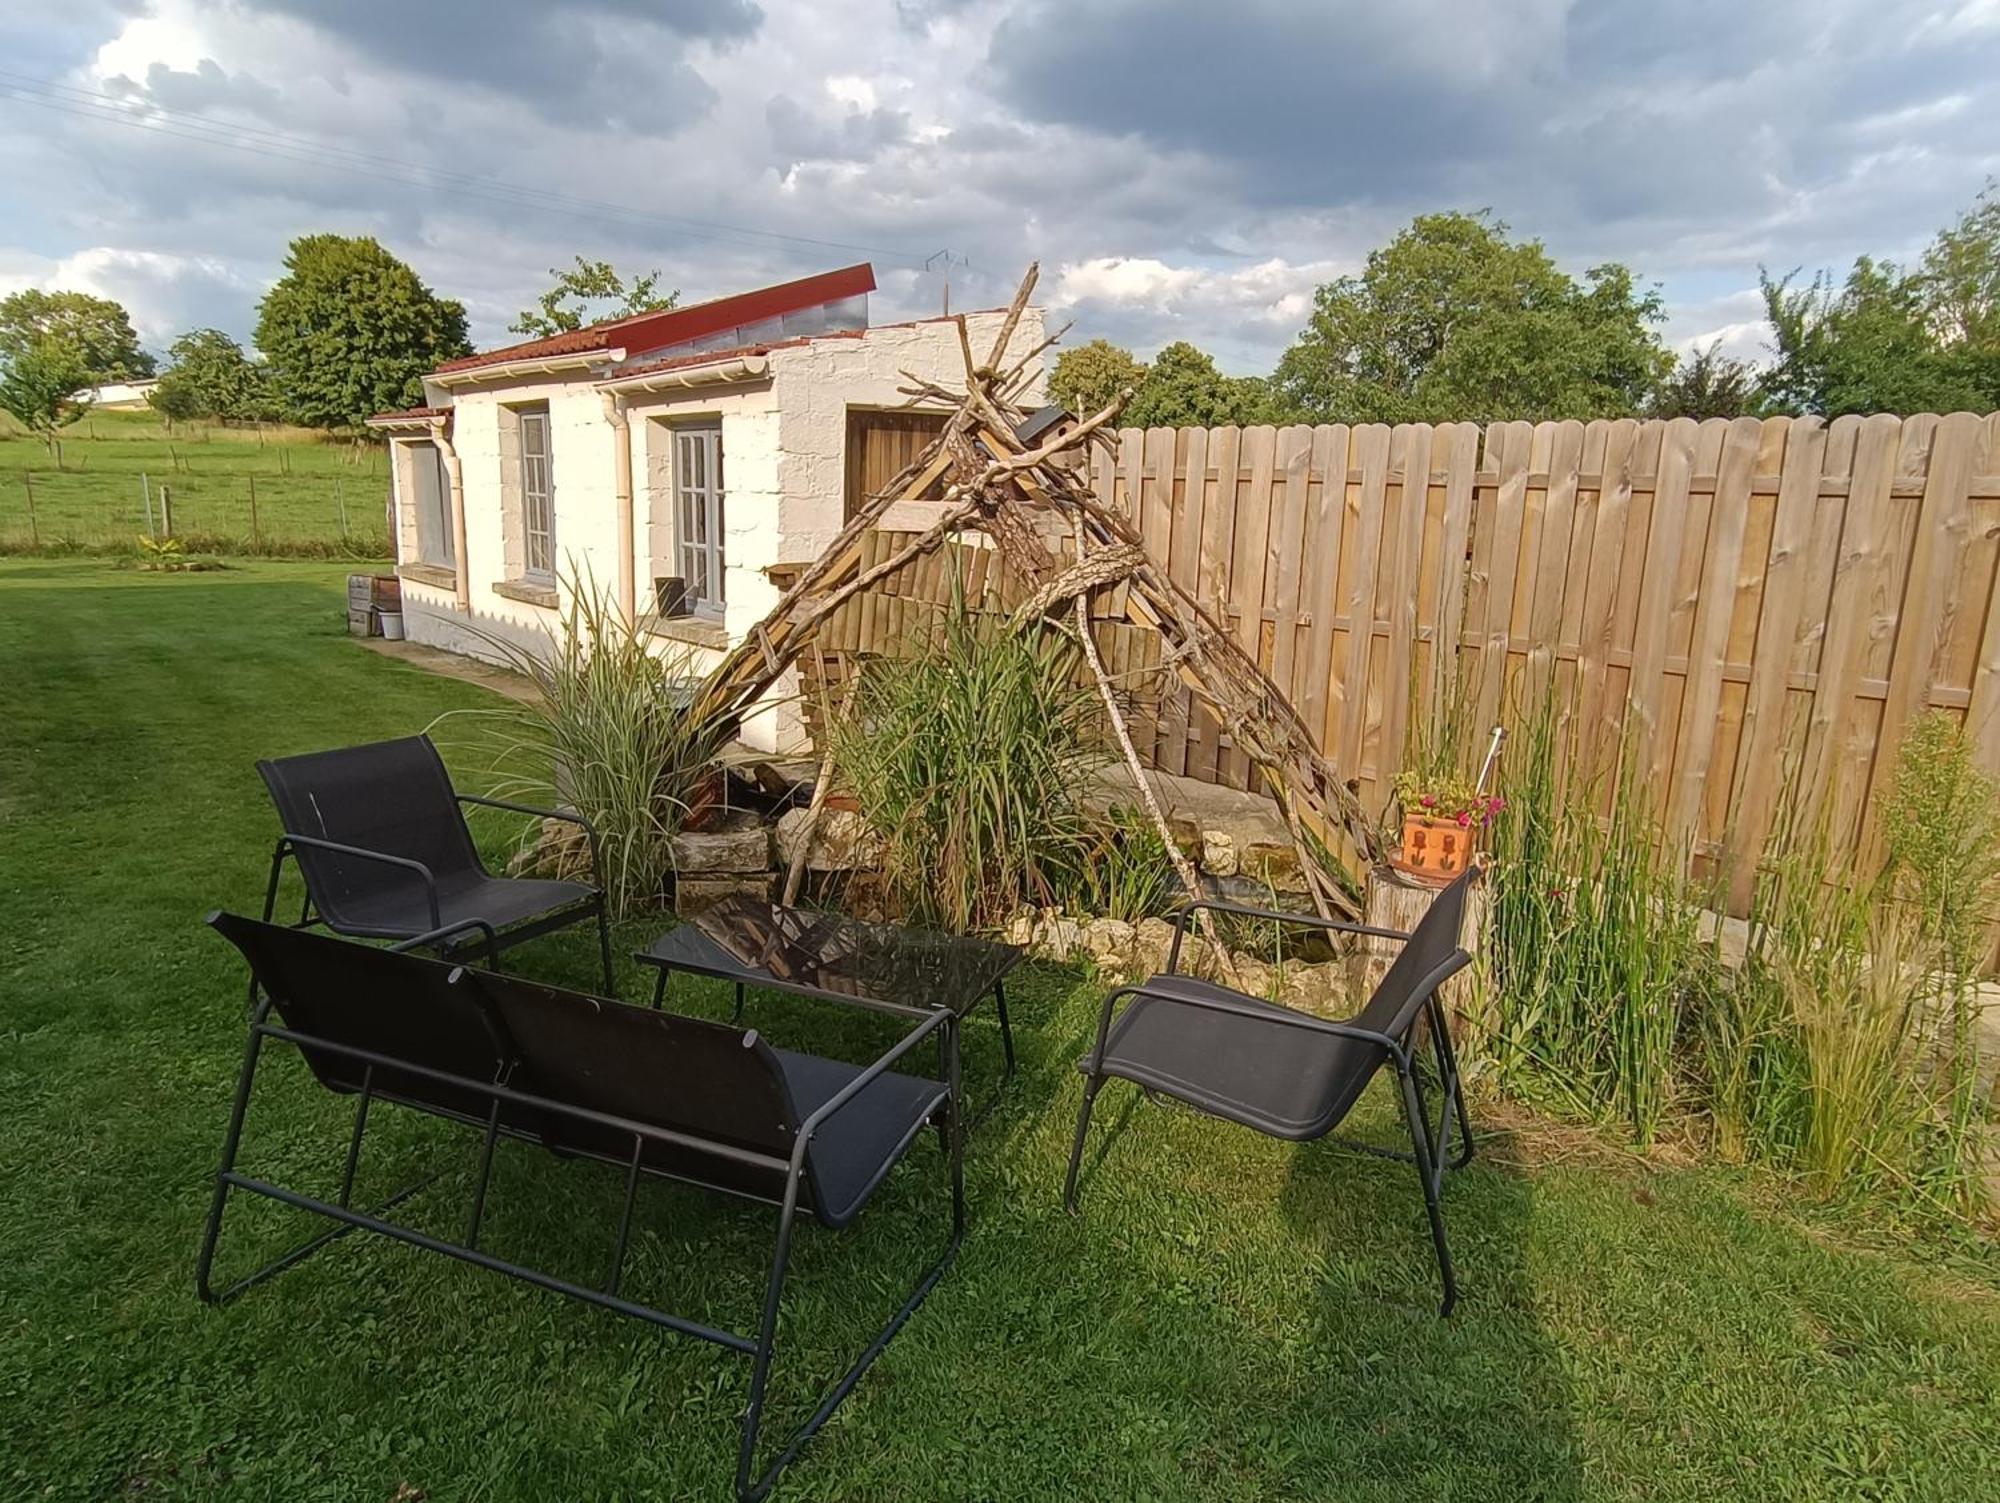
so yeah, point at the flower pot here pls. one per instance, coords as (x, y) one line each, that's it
(1436, 850)
(707, 801)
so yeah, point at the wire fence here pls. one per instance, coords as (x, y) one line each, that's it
(99, 510)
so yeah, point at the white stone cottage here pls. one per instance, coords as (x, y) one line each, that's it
(677, 454)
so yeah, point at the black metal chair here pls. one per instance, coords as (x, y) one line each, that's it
(1286, 1073)
(653, 1093)
(380, 837)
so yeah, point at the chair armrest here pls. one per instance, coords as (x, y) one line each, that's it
(1244, 910)
(867, 1077)
(565, 815)
(313, 842)
(1257, 1012)
(437, 936)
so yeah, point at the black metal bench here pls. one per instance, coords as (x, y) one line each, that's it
(653, 1093)
(380, 837)
(1289, 1074)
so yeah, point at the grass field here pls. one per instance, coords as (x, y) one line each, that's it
(312, 493)
(1230, 1318)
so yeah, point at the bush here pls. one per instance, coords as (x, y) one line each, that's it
(969, 764)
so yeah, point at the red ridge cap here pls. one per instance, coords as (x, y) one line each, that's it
(648, 331)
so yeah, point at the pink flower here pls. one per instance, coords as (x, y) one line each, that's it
(1429, 800)
(1495, 804)
(1464, 818)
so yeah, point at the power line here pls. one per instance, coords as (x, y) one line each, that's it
(159, 120)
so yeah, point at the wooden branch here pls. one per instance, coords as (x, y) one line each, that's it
(1013, 318)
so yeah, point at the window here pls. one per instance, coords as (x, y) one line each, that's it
(538, 501)
(431, 495)
(698, 514)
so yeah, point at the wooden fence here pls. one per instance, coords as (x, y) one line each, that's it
(1744, 608)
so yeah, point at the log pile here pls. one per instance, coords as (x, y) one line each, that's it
(1034, 504)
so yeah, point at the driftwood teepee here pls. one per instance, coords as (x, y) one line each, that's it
(983, 476)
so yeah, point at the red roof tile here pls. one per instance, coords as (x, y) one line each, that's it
(650, 331)
(410, 414)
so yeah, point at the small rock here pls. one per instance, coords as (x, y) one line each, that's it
(559, 849)
(1106, 937)
(707, 852)
(694, 894)
(1272, 863)
(841, 841)
(1218, 853)
(1252, 975)
(1059, 938)
(1151, 939)
(1021, 928)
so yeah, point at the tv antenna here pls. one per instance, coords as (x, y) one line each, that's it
(942, 263)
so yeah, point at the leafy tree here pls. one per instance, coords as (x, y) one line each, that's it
(1866, 346)
(211, 377)
(1183, 389)
(590, 293)
(350, 330)
(96, 330)
(1452, 320)
(1708, 383)
(43, 385)
(1890, 339)
(1086, 378)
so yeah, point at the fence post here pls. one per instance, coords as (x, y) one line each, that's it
(166, 511)
(146, 493)
(34, 532)
(256, 533)
(340, 500)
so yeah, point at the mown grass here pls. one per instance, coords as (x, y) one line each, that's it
(314, 493)
(1230, 1318)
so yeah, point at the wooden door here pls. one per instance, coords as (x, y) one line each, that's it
(880, 445)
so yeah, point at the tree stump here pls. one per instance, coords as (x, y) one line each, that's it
(1397, 900)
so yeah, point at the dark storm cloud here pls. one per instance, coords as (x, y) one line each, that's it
(606, 62)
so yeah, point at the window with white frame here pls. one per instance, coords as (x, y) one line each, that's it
(430, 494)
(538, 498)
(698, 498)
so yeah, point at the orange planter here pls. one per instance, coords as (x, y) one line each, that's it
(1437, 849)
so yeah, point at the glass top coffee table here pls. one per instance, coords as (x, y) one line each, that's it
(911, 973)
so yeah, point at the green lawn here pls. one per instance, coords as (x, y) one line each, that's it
(310, 490)
(1230, 1318)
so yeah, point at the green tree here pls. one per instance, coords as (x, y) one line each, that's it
(1892, 339)
(1452, 320)
(1086, 378)
(350, 330)
(590, 293)
(96, 330)
(1707, 384)
(211, 377)
(43, 385)
(1868, 345)
(1183, 389)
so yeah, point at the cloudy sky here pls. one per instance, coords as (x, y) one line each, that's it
(1182, 170)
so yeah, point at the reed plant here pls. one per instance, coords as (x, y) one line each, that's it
(969, 763)
(608, 732)
(1593, 940)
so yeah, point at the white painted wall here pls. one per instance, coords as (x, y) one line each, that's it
(784, 440)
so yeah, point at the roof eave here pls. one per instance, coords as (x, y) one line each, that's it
(534, 365)
(729, 371)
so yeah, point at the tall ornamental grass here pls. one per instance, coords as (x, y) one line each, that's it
(607, 733)
(970, 763)
(1593, 942)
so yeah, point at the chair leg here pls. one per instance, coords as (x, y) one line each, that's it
(1428, 1176)
(604, 947)
(1091, 1086)
(231, 1141)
